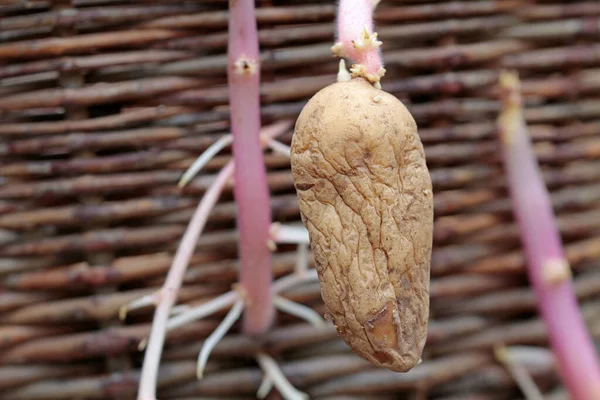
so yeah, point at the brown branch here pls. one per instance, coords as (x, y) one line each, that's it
(15, 376)
(444, 10)
(124, 119)
(98, 240)
(99, 307)
(96, 344)
(90, 63)
(99, 93)
(82, 43)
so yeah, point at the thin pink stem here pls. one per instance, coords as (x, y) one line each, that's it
(251, 190)
(168, 293)
(548, 270)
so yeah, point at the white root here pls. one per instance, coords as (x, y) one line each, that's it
(217, 335)
(279, 147)
(301, 267)
(266, 385)
(295, 234)
(274, 374)
(180, 309)
(292, 280)
(519, 374)
(218, 303)
(145, 301)
(204, 158)
(269, 133)
(299, 310)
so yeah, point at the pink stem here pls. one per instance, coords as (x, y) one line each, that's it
(353, 16)
(168, 293)
(547, 267)
(251, 190)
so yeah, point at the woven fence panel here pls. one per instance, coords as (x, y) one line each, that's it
(105, 103)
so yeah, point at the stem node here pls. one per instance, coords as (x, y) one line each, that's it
(245, 66)
(556, 271)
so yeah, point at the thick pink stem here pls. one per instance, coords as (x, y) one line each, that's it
(251, 190)
(352, 19)
(547, 267)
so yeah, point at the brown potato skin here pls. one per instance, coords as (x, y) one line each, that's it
(366, 199)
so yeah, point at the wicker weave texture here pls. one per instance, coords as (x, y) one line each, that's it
(104, 104)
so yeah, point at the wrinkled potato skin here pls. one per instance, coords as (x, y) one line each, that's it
(365, 197)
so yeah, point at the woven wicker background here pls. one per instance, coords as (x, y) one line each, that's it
(104, 103)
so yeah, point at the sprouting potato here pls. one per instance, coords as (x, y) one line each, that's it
(365, 197)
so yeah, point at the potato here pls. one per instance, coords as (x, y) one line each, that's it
(365, 197)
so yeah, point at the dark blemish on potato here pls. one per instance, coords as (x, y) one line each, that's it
(303, 186)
